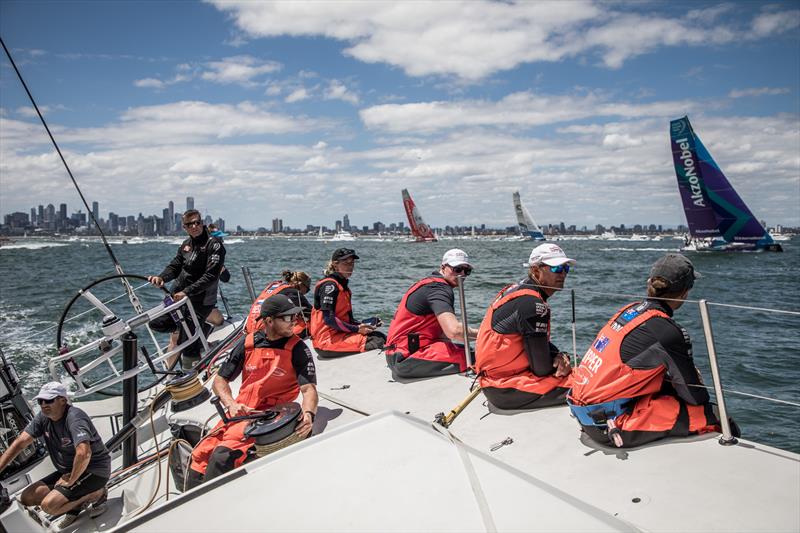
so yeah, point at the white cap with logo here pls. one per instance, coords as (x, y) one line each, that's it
(51, 390)
(455, 257)
(549, 254)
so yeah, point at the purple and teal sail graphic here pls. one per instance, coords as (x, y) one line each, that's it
(712, 206)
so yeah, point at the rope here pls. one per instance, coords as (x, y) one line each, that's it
(172, 446)
(750, 395)
(158, 466)
(750, 307)
(186, 391)
(266, 449)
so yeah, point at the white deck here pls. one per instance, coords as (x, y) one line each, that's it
(692, 484)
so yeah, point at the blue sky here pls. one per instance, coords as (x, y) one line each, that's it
(307, 111)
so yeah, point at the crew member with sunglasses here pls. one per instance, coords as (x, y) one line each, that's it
(419, 340)
(196, 269)
(637, 382)
(82, 462)
(276, 366)
(295, 285)
(518, 366)
(334, 331)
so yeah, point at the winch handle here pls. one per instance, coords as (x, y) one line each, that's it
(221, 410)
(226, 419)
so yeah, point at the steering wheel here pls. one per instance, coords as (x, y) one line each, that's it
(86, 294)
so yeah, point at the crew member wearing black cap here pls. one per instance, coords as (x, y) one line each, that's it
(334, 331)
(275, 366)
(636, 382)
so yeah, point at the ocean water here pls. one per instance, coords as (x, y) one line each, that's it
(757, 350)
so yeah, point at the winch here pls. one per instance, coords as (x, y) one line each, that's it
(186, 391)
(272, 429)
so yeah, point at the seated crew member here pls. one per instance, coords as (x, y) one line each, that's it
(426, 317)
(196, 270)
(215, 317)
(83, 464)
(295, 285)
(634, 385)
(519, 367)
(333, 329)
(275, 366)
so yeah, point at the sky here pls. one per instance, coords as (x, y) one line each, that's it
(306, 111)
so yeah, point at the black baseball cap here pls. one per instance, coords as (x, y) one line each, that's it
(677, 270)
(278, 305)
(343, 253)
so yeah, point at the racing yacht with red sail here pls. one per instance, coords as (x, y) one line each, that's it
(421, 231)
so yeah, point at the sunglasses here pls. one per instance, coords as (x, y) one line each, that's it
(43, 401)
(193, 223)
(465, 270)
(287, 318)
(559, 269)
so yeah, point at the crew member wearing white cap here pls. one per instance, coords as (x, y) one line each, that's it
(519, 367)
(83, 464)
(276, 366)
(637, 382)
(420, 341)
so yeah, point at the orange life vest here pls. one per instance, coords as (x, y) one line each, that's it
(253, 321)
(327, 338)
(602, 376)
(405, 322)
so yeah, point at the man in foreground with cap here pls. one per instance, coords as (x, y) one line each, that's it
(334, 331)
(420, 340)
(519, 367)
(275, 366)
(636, 382)
(83, 464)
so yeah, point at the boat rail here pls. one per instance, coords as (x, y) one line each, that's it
(111, 346)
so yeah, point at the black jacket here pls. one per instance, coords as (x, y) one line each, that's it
(196, 268)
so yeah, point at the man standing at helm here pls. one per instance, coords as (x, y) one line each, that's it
(518, 366)
(420, 341)
(276, 366)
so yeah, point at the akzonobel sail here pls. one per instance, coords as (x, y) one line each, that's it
(527, 226)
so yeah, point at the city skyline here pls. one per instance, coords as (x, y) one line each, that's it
(304, 111)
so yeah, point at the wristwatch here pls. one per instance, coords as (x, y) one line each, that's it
(313, 415)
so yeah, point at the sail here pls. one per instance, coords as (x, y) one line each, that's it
(712, 206)
(419, 229)
(527, 226)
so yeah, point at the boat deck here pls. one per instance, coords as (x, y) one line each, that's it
(692, 484)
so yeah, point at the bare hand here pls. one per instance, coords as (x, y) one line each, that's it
(155, 280)
(364, 329)
(178, 296)
(562, 365)
(239, 409)
(63, 481)
(304, 427)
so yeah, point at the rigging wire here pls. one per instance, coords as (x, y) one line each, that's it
(117, 266)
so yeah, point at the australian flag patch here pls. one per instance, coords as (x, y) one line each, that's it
(601, 343)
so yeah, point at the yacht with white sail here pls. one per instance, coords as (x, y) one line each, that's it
(528, 229)
(718, 218)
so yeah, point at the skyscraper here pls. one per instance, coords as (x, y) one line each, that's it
(189, 202)
(96, 211)
(346, 222)
(171, 221)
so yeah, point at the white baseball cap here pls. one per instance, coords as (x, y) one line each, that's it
(549, 254)
(51, 390)
(455, 257)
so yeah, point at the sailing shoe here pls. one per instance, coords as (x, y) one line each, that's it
(68, 519)
(98, 507)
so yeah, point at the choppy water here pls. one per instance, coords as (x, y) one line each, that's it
(758, 351)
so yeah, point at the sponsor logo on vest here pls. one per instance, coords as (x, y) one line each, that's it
(616, 326)
(690, 171)
(601, 343)
(591, 361)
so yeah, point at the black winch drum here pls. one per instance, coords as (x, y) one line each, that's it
(277, 424)
(184, 384)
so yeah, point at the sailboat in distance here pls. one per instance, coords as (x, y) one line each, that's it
(421, 231)
(718, 218)
(527, 226)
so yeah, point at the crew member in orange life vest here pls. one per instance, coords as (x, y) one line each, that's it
(292, 284)
(519, 367)
(425, 322)
(333, 329)
(275, 366)
(635, 383)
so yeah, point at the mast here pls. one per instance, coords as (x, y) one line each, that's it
(419, 229)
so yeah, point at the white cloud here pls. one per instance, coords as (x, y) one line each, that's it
(474, 39)
(620, 141)
(759, 91)
(297, 95)
(240, 70)
(336, 90)
(149, 83)
(523, 109)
